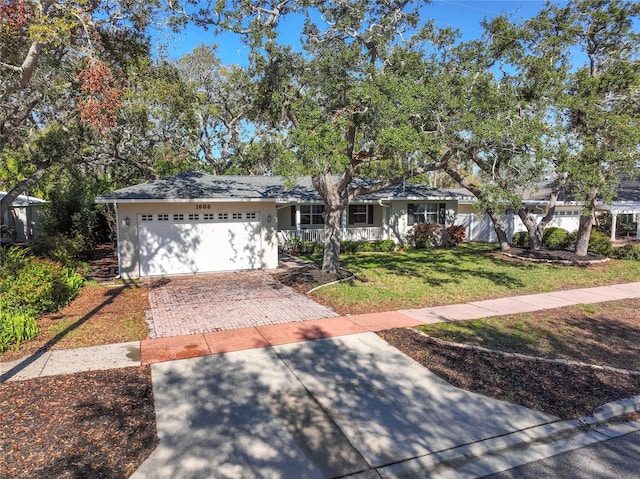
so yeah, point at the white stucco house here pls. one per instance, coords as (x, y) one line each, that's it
(194, 222)
(22, 221)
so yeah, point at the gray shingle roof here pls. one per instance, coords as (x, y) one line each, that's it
(24, 200)
(201, 186)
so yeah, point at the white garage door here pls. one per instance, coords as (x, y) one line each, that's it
(198, 243)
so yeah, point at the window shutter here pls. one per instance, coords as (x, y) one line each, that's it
(442, 213)
(293, 216)
(352, 219)
(370, 215)
(410, 211)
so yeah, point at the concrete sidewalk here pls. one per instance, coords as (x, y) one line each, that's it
(151, 351)
(351, 406)
(168, 349)
(328, 398)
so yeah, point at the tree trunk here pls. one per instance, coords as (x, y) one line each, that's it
(500, 229)
(335, 197)
(586, 223)
(331, 256)
(498, 221)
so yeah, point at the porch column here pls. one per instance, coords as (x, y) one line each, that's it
(385, 223)
(614, 221)
(298, 221)
(343, 225)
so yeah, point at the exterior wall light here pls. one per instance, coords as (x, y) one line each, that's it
(269, 218)
(127, 221)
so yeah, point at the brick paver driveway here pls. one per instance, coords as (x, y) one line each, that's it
(214, 302)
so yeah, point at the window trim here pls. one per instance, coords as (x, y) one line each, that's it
(368, 214)
(311, 215)
(430, 211)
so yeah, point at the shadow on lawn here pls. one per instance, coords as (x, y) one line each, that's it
(111, 294)
(600, 338)
(453, 265)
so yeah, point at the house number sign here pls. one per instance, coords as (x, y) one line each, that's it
(203, 207)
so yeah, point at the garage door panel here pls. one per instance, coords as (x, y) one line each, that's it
(198, 247)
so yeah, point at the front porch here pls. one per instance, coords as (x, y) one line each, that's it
(368, 233)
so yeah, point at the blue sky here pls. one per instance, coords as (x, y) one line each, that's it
(464, 15)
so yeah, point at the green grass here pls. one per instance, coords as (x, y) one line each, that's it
(603, 333)
(389, 281)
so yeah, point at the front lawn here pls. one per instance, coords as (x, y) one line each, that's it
(470, 272)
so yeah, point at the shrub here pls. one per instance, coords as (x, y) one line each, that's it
(384, 246)
(15, 326)
(318, 249)
(600, 243)
(425, 235)
(59, 248)
(455, 234)
(555, 238)
(12, 259)
(41, 285)
(629, 252)
(348, 247)
(521, 238)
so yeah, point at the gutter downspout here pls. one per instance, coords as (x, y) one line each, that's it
(115, 207)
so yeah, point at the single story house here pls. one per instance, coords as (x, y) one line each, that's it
(194, 222)
(624, 209)
(23, 219)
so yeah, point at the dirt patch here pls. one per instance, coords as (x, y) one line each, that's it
(552, 256)
(101, 314)
(565, 391)
(103, 263)
(92, 424)
(304, 278)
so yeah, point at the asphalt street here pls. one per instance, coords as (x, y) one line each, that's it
(616, 458)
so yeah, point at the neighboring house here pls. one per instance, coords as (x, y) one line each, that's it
(194, 222)
(625, 209)
(22, 220)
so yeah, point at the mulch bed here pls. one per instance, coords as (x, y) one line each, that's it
(304, 278)
(103, 263)
(85, 425)
(99, 315)
(565, 391)
(553, 256)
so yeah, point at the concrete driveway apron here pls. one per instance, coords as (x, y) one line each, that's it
(319, 409)
(216, 302)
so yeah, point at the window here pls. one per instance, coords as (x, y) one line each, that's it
(146, 217)
(223, 216)
(208, 216)
(426, 213)
(178, 217)
(311, 214)
(194, 216)
(236, 216)
(251, 216)
(361, 214)
(163, 217)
